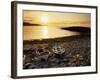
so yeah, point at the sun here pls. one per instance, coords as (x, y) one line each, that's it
(44, 19)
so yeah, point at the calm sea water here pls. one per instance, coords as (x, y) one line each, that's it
(45, 32)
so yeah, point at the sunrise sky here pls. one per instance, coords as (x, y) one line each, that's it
(48, 24)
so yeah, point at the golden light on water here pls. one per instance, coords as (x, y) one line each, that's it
(44, 25)
(45, 31)
(44, 19)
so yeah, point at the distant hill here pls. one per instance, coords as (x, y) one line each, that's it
(82, 30)
(30, 24)
(77, 29)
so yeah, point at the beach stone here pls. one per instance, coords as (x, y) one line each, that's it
(57, 48)
(32, 66)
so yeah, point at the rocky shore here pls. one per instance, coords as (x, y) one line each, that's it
(73, 51)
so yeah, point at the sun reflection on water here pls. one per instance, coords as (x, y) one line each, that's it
(45, 32)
